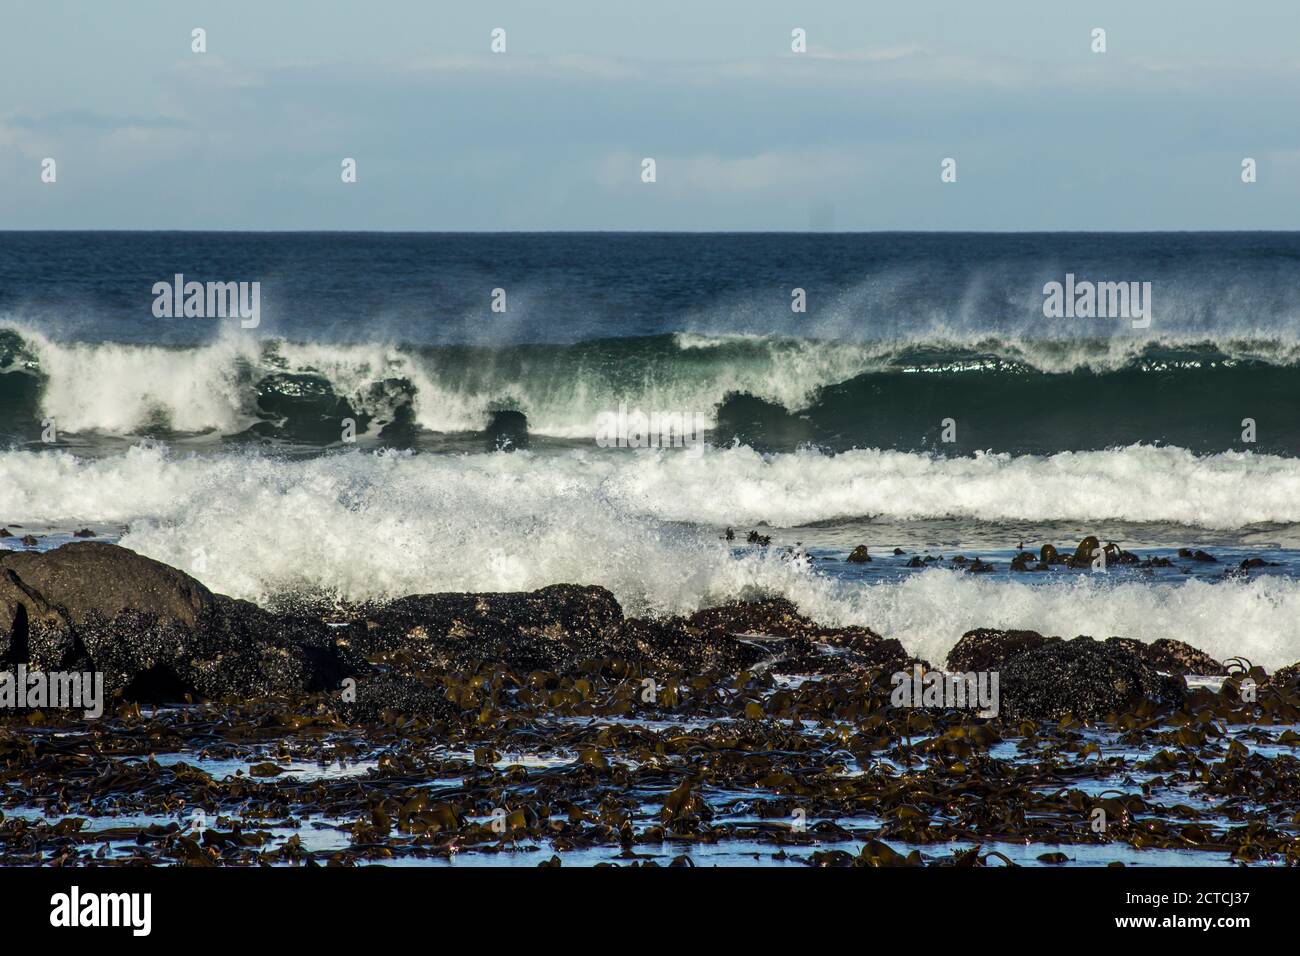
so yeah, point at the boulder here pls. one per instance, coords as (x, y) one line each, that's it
(1174, 657)
(1083, 677)
(87, 576)
(987, 648)
(553, 628)
(154, 632)
(21, 608)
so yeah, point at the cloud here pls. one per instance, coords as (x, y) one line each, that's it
(802, 170)
(86, 120)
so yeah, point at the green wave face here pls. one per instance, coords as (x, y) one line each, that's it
(773, 393)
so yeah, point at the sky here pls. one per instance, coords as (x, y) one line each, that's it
(746, 134)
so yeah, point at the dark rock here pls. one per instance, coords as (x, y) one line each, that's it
(859, 555)
(1087, 678)
(155, 632)
(21, 608)
(6, 533)
(236, 649)
(1197, 555)
(91, 576)
(988, 649)
(29, 540)
(801, 645)
(1286, 676)
(84, 533)
(1173, 657)
(671, 645)
(1250, 564)
(777, 617)
(508, 431)
(554, 628)
(1083, 553)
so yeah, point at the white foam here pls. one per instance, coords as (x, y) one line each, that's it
(1257, 618)
(381, 525)
(119, 389)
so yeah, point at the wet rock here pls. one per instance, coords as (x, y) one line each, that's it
(554, 628)
(1083, 553)
(1087, 678)
(29, 540)
(1173, 657)
(83, 533)
(6, 533)
(800, 645)
(155, 632)
(859, 555)
(671, 645)
(1249, 564)
(1198, 555)
(21, 609)
(776, 616)
(1117, 555)
(1286, 676)
(987, 649)
(235, 649)
(508, 431)
(1023, 561)
(1049, 555)
(90, 576)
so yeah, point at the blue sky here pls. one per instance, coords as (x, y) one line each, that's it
(746, 134)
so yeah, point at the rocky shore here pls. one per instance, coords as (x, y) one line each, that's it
(686, 712)
(159, 635)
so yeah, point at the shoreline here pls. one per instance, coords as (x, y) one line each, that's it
(548, 724)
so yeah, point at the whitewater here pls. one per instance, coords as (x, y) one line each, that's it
(646, 525)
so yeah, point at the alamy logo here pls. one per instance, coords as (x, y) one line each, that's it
(976, 689)
(59, 689)
(1100, 300)
(75, 909)
(636, 429)
(208, 300)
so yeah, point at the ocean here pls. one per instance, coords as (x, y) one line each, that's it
(422, 413)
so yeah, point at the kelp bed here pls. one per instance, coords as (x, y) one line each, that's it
(538, 768)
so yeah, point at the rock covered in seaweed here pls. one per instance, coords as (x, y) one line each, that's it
(1083, 677)
(1174, 657)
(554, 628)
(987, 648)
